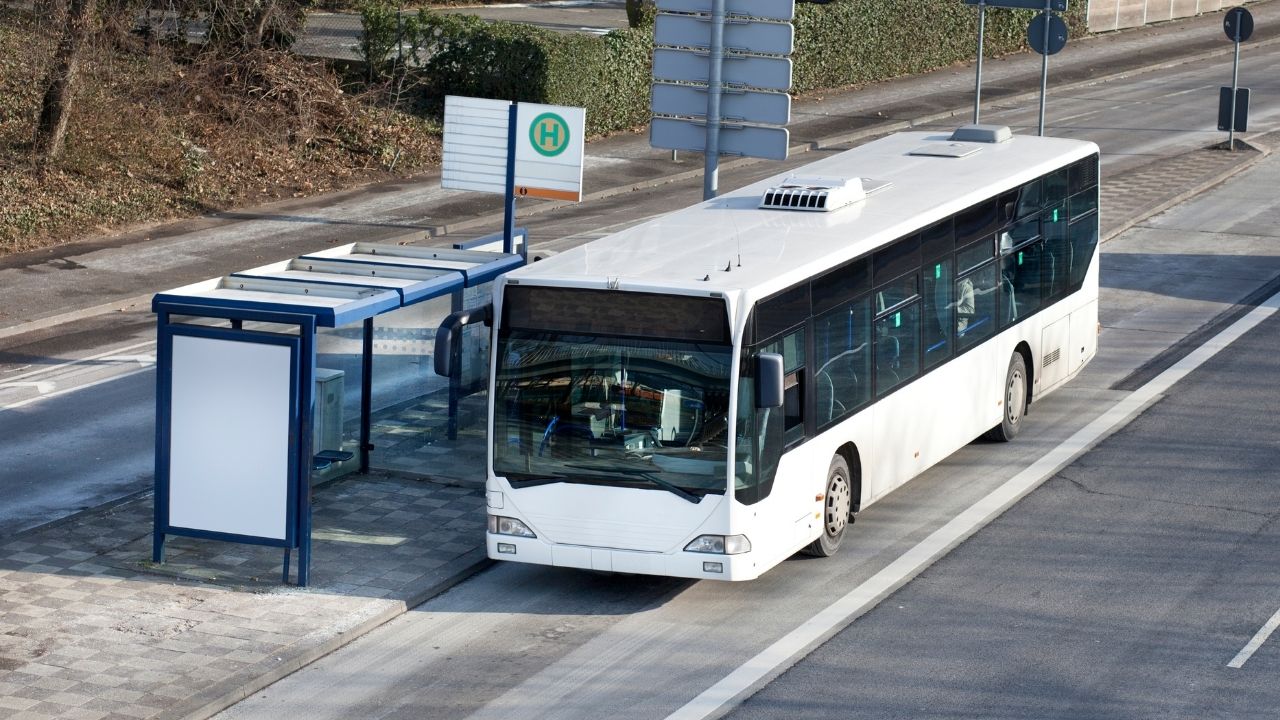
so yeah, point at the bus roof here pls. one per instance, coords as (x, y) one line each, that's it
(730, 245)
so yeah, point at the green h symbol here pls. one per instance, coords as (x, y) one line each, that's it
(549, 134)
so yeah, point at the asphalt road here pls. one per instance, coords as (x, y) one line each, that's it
(1117, 571)
(1122, 588)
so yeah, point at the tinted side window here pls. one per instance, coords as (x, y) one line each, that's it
(1055, 187)
(897, 347)
(974, 255)
(1057, 254)
(842, 361)
(1084, 202)
(782, 312)
(901, 257)
(1084, 239)
(791, 348)
(841, 285)
(938, 240)
(975, 305)
(979, 220)
(1029, 199)
(935, 326)
(1020, 283)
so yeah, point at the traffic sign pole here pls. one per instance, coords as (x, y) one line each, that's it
(711, 168)
(977, 83)
(1235, 89)
(1044, 65)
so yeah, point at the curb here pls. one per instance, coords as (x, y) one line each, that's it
(121, 305)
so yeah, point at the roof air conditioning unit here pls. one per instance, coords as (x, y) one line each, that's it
(814, 194)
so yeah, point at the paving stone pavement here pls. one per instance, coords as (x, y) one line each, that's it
(90, 628)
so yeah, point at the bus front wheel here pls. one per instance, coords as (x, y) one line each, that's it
(837, 509)
(1015, 401)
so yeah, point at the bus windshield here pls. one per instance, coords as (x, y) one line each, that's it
(615, 411)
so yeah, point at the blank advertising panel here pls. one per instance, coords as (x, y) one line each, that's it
(232, 407)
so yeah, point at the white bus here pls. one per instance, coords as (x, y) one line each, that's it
(707, 393)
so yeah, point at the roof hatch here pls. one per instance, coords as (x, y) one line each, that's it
(965, 141)
(819, 194)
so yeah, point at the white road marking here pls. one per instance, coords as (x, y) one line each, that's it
(770, 662)
(83, 361)
(140, 359)
(41, 387)
(1263, 633)
(65, 391)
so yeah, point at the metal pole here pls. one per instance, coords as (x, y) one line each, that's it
(509, 220)
(1235, 88)
(366, 394)
(977, 83)
(1044, 65)
(711, 172)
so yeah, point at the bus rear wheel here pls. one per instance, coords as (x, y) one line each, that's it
(1015, 401)
(837, 509)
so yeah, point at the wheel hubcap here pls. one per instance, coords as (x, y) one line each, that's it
(1016, 397)
(838, 499)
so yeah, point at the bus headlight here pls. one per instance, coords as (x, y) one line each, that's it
(499, 525)
(720, 544)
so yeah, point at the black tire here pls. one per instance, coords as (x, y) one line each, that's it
(1016, 394)
(837, 511)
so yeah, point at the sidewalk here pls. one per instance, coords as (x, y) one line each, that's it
(89, 628)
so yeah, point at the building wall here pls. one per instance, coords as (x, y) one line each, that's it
(1115, 14)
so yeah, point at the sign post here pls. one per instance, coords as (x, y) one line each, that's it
(1037, 37)
(1238, 25)
(977, 83)
(1047, 35)
(721, 73)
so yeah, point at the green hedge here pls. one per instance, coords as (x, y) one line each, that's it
(846, 42)
(851, 42)
(609, 75)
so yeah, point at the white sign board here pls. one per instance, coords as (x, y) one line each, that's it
(549, 151)
(475, 144)
(229, 436)
(549, 148)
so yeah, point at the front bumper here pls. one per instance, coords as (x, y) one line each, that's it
(676, 564)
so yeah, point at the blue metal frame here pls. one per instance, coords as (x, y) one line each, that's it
(352, 311)
(302, 374)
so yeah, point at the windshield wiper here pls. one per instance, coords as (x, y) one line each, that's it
(646, 475)
(525, 480)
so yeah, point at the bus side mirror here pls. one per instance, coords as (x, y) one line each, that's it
(448, 337)
(768, 380)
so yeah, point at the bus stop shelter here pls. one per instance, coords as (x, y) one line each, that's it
(236, 361)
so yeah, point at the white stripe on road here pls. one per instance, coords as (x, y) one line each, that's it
(41, 387)
(108, 355)
(1263, 633)
(737, 685)
(77, 388)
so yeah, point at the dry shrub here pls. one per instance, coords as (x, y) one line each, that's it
(153, 136)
